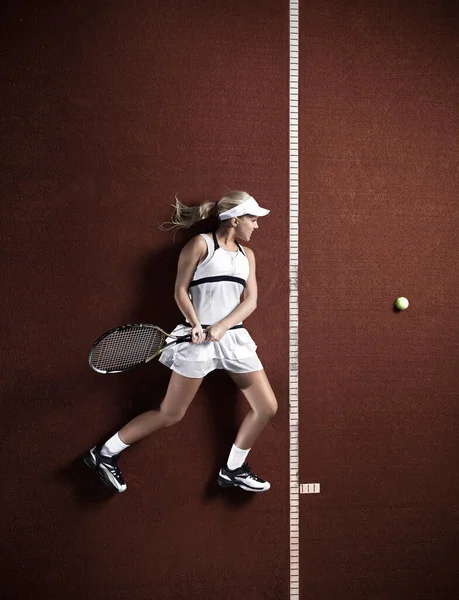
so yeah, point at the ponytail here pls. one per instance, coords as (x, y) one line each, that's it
(184, 216)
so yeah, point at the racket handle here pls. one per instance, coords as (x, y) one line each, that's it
(183, 338)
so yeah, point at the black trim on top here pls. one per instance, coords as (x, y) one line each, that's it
(202, 325)
(217, 278)
(216, 244)
(240, 247)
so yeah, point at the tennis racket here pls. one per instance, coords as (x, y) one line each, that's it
(130, 346)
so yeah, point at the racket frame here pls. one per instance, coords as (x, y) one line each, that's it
(177, 340)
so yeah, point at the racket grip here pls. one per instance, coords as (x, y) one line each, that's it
(183, 338)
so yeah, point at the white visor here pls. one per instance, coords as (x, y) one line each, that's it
(248, 207)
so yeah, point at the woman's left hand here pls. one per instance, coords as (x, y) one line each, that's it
(215, 332)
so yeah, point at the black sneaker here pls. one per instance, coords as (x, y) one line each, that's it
(243, 478)
(106, 468)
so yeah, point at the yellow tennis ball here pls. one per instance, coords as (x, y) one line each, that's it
(402, 303)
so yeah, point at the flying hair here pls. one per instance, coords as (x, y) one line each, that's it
(184, 216)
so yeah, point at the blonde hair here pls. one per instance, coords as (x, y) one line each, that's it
(184, 216)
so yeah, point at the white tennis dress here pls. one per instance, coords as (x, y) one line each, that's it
(215, 291)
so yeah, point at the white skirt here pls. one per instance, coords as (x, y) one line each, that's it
(235, 352)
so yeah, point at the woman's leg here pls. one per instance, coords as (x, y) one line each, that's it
(179, 395)
(260, 396)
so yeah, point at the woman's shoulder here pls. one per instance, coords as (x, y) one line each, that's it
(195, 245)
(196, 241)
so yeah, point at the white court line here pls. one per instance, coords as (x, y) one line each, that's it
(293, 305)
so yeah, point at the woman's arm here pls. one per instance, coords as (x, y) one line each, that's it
(189, 258)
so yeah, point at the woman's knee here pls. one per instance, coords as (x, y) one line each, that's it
(171, 417)
(269, 410)
(272, 410)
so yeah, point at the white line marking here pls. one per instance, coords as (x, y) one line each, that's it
(293, 304)
(310, 488)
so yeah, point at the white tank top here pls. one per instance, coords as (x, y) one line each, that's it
(218, 282)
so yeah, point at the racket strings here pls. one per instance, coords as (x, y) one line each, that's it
(126, 348)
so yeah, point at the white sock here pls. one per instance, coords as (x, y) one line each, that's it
(237, 457)
(113, 446)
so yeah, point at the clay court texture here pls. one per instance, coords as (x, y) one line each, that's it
(111, 108)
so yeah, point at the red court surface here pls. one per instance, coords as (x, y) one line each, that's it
(107, 112)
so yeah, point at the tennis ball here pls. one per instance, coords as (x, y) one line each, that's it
(402, 303)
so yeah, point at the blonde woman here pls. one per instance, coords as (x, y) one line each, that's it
(214, 273)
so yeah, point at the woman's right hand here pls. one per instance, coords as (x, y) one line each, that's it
(198, 335)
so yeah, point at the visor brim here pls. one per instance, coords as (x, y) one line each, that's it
(259, 212)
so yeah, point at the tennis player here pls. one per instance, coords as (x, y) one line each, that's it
(214, 272)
